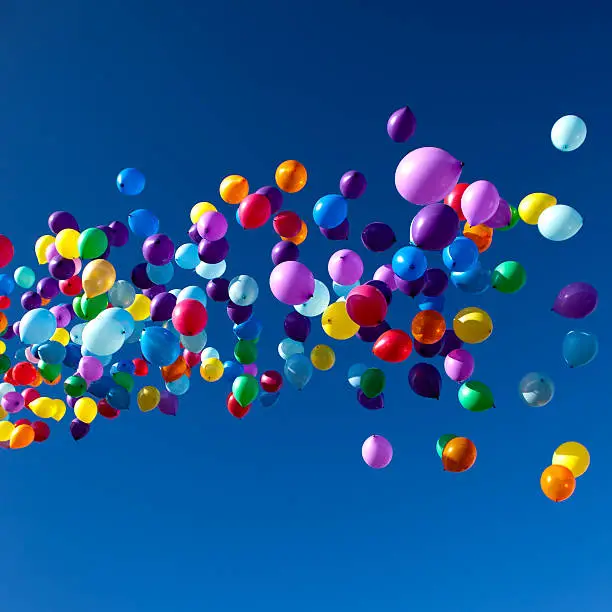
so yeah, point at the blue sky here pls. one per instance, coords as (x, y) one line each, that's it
(278, 511)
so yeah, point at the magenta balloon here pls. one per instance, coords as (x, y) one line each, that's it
(90, 368)
(212, 225)
(479, 202)
(340, 232)
(401, 124)
(251, 368)
(386, 275)
(345, 267)
(12, 402)
(502, 216)
(427, 175)
(377, 452)
(292, 283)
(459, 365)
(434, 227)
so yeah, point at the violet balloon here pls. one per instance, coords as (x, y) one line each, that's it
(427, 350)
(386, 275)
(479, 202)
(434, 227)
(292, 283)
(353, 184)
(162, 306)
(151, 292)
(30, 300)
(274, 195)
(118, 234)
(158, 249)
(401, 125)
(576, 301)
(425, 380)
(212, 225)
(60, 220)
(372, 334)
(410, 288)
(217, 289)
(213, 252)
(340, 232)
(377, 452)
(450, 342)
(502, 216)
(285, 251)
(297, 326)
(140, 278)
(168, 403)
(345, 267)
(62, 314)
(436, 282)
(48, 288)
(194, 235)
(459, 365)
(238, 314)
(61, 268)
(378, 237)
(371, 403)
(78, 429)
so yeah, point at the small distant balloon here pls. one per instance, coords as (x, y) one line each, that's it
(401, 125)
(536, 389)
(568, 133)
(377, 452)
(130, 181)
(353, 184)
(579, 348)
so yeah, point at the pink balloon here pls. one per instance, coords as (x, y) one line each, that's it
(90, 368)
(250, 368)
(377, 452)
(459, 365)
(386, 275)
(30, 357)
(479, 202)
(292, 283)
(212, 225)
(427, 175)
(78, 265)
(502, 216)
(345, 267)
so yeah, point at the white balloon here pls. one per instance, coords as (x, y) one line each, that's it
(559, 222)
(243, 290)
(317, 304)
(537, 389)
(568, 133)
(6, 388)
(289, 347)
(210, 271)
(209, 353)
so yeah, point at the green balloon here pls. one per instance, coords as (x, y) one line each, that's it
(514, 219)
(75, 386)
(442, 442)
(92, 307)
(245, 352)
(92, 243)
(76, 306)
(125, 380)
(372, 382)
(49, 371)
(508, 277)
(475, 396)
(245, 389)
(5, 364)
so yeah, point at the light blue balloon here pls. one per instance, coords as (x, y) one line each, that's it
(76, 333)
(195, 343)
(186, 256)
(131, 181)
(298, 371)
(231, 369)
(536, 389)
(122, 294)
(430, 303)
(37, 326)
(160, 275)
(103, 359)
(175, 292)
(343, 290)
(143, 222)
(159, 346)
(24, 277)
(317, 304)
(354, 374)
(138, 329)
(249, 330)
(238, 221)
(243, 290)
(579, 348)
(7, 284)
(409, 263)
(330, 211)
(568, 133)
(123, 317)
(289, 347)
(210, 271)
(460, 255)
(559, 222)
(52, 352)
(476, 280)
(267, 400)
(209, 353)
(104, 336)
(6, 388)
(169, 325)
(179, 386)
(192, 293)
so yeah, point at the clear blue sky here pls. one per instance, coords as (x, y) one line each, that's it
(278, 512)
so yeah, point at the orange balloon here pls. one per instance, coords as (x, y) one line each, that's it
(22, 436)
(480, 235)
(291, 176)
(459, 455)
(3, 322)
(233, 189)
(55, 382)
(175, 370)
(37, 380)
(301, 236)
(44, 301)
(558, 483)
(428, 326)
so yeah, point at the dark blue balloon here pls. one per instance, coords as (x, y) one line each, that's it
(118, 398)
(249, 330)
(130, 181)
(7, 284)
(73, 356)
(123, 366)
(267, 400)
(100, 388)
(232, 369)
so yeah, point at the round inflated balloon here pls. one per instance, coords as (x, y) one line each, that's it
(508, 277)
(459, 365)
(425, 380)
(372, 334)
(576, 301)
(212, 225)
(211, 271)
(409, 263)
(298, 371)
(98, 277)
(243, 290)
(579, 348)
(233, 189)
(148, 398)
(428, 327)
(514, 219)
(378, 237)
(245, 352)
(60, 220)
(271, 381)
(410, 288)
(287, 224)
(198, 210)
(317, 304)
(476, 280)
(377, 452)
(458, 455)
(254, 211)
(343, 290)
(502, 216)
(92, 243)
(37, 326)
(291, 176)
(337, 323)
(212, 369)
(158, 250)
(371, 403)
(159, 346)
(472, 325)
(245, 389)
(533, 205)
(434, 227)
(354, 374)
(238, 314)
(428, 350)
(436, 281)
(330, 211)
(289, 347)
(274, 195)
(386, 275)
(453, 199)
(24, 277)
(568, 133)
(536, 389)
(284, 251)
(401, 125)
(441, 443)
(345, 267)
(143, 222)
(479, 202)
(372, 382)
(130, 181)
(559, 223)
(366, 306)
(574, 456)
(480, 235)
(292, 283)
(189, 317)
(322, 357)
(460, 255)
(558, 483)
(475, 396)
(383, 288)
(213, 252)
(341, 232)
(353, 184)
(186, 256)
(393, 346)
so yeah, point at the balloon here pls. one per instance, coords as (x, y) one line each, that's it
(30, 300)
(168, 403)
(249, 330)
(476, 280)
(130, 181)
(245, 352)
(148, 398)
(428, 350)
(576, 301)
(536, 389)
(514, 219)
(92, 243)
(345, 267)
(428, 327)
(40, 248)
(243, 290)
(267, 400)
(66, 243)
(41, 431)
(366, 306)
(427, 175)
(143, 222)
(12, 402)
(340, 232)
(330, 211)
(377, 452)
(532, 206)
(85, 409)
(343, 290)
(386, 275)
(274, 196)
(502, 216)
(574, 456)
(458, 455)
(24, 277)
(213, 252)
(186, 256)
(378, 237)
(322, 357)
(233, 189)
(579, 348)
(336, 322)
(238, 314)
(140, 308)
(271, 381)
(411, 288)
(160, 275)
(291, 176)
(559, 222)
(409, 263)
(354, 374)
(453, 199)
(442, 442)
(98, 277)
(479, 202)
(21, 437)
(298, 371)
(372, 334)
(189, 317)
(352, 184)
(558, 483)
(254, 211)
(284, 251)
(292, 283)
(460, 255)
(159, 346)
(475, 396)
(480, 235)
(393, 346)
(459, 365)
(37, 326)
(371, 403)
(212, 369)
(383, 288)
(317, 304)
(212, 225)
(287, 224)
(104, 336)
(472, 325)
(122, 294)
(162, 306)
(508, 277)
(436, 282)
(297, 326)
(434, 227)
(401, 125)
(195, 343)
(568, 133)
(372, 382)
(158, 249)
(425, 380)
(118, 234)
(289, 347)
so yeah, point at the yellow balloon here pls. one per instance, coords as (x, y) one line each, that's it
(6, 429)
(98, 277)
(472, 325)
(233, 189)
(574, 456)
(67, 243)
(336, 323)
(148, 398)
(61, 335)
(140, 308)
(197, 210)
(59, 410)
(302, 235)
(533, 205)
(42, 407)
(323, 357)
(3, 413)
(2, 347)
(85, 409)
(211, 369)
(41, 246)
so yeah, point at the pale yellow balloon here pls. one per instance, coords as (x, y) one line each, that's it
(43, 407)
(336, 322)
(41, 246)
(59, 410)
(6, 430)
(148, 398)
(233, 189)
(197, 210)
(323, 357)
(472, 325)
(532, 206)
(98, 277)
(2, 347)
(61, 335)
(67, 243)
(85, 409)
(574, 456)
(140, 308)
(211, 369)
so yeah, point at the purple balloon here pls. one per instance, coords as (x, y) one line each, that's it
(162, 306)
(292, 283)
(401, 125)
(274, 195)
(48, 288)
(378, 237)
(450, 342)
(158, 249)
(410, 288)
(576, 301)
(284, 251)
(377, 452)
(60, 220)
(78, 429)
(61, 268)
(386, 275)
(372, 334)
(340, 232)
(434, 227)
(353, 184)
(427, 350)
(212, 225)
(238, 314)
(383, 288)
(62, 314)
(345, 267)
(71, 401)
(459, 365)
(427, 175)
(194, 235)
(213, 252)
(502, 216)
(479, 202)
(118, 234)
(140, 278)
(31, 300)
(297, 326)
(9, 333)
(425, 380)
(12, 402)
(15, 329)
(217, 289)
(436, 281)
(51, 252)
(90, 368)
(151, 292)
(371, 403)
(168, 403)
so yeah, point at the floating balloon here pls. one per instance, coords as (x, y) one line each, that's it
(579, 348)
(409, 263)
(568, 133)
(559, 223)
(254, 211)
(393, 346)
(233, 189)
(353, 185)
(458, 455)
(98, 277)
(130, 181)
(92, 243)
(372, 382)
(508, 277)
(366, 306)
(558, 483)
(502, 217)
(322, 357)
(243, 290)
(317, 304)
(284, 251)
(37, 326)
(337, 323)
(292, 283)
(330, 211)
(436, 281)
(476, 280)
(574, 456)
(480, 235)
(532, 206)
(576, 301)
(475, 396)
(271, 381)
(460, 255)
(143, 222)
(472, 325)
(459, 365)
(300, 236)
(378, 237)
(291, 176)
(377, 452)
(298, 371)
(159, 346)
(345, 267)
(401, 124)
(434, 227)
(536, 389)
(428, 327)
(341, 232)
(386, 275)
(428, 350)
(425, 380)
(441, 443)
(479, 202)
(514, 219)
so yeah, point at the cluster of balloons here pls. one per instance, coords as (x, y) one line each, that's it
(570, 461)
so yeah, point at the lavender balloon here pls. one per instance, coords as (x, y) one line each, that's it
(62, 314)
(378, 237)
(297, 326)
(427, 350)
(450, 342)
(576, 301)
(377, 452)
(401, 125)
(459, 365)
(425, 380)
(345, 267)
(353, 184)
(285, 251)
(479, 202)
(386, 275)
(502, 216)
(217, 289)
(168, 403)
(212, 225)
(436, 282)
(213, 252)
(410, 288)
(371, 403)
(274, 195)
(340, 232)
(292, 283)
(434, 227)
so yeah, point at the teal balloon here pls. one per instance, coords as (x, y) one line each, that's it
(476, 280)
(160, 275)
(159, 346)
(243, 290)
(192, 293)
(76, 333)
(568, 133)
(122, 294)
(37, 326)
(343, 290)
(186, 256)
(52, 352)
(179, 386)
(354, 374)
(460, 255)
(24, 277)
(579, 348)
(298, 371)
(289, 347)
(195, 343)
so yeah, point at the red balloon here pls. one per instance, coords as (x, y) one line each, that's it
(254, 211)
(5, 302)
(73, 286)
(235, 409)
(106, 410)
(24, 373)
(7, 250)
(29, 395)
(190, 358)
(189, 317)
(41, 431)
(22, 422)
(366, 306)
(394, 346)
(287, 224)
(8, 377)
(271, 381)
(453, 199)
(141, 367)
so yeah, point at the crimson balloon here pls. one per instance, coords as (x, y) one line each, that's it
(366, 305)
(394, 346)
